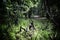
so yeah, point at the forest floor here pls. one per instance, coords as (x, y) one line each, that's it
(43, 29)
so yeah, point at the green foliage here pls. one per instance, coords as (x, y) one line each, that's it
(12, 11)
(41, 32)
(15, 9)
